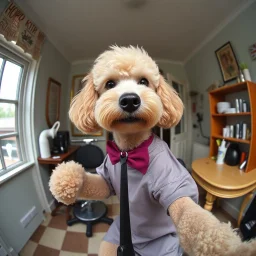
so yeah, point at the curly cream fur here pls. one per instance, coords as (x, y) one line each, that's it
(95, 187)
(82, 107)
(172, 104)
(201, 234)
(69, 181)
(124, 62)
(95, 106)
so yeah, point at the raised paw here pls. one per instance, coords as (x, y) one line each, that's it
(66, 182)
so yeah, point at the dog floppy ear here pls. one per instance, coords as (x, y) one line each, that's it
(82, 107)
(172, 105)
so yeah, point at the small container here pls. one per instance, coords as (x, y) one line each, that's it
(242, 158)
(237, 106)
(231, 128)
(241, 105)
(244, 131)
(230, 111)
(232, 156)
(244, 106)
(241, 76)
(237, 131)
(223, 106)
(221, 152)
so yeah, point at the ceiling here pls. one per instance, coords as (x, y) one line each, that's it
(167, 29)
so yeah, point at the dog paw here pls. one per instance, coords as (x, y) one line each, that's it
(66, 182)
(245, 249)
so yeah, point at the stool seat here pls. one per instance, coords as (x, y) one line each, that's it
(89, 210)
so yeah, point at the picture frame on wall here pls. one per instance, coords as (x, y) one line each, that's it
(227, 61)
(52, 110)
(252, 50)
(77, 86)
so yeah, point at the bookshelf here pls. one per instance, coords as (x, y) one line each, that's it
(219, 121)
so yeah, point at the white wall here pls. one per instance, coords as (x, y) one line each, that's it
(53, 65)
(17, 196)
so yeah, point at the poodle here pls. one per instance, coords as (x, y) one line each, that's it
(125, 94)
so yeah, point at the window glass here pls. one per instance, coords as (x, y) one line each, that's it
(7, 118)
(10, 81)
(10, 151)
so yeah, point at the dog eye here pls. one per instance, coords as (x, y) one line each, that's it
(110, 84)
(144, 81)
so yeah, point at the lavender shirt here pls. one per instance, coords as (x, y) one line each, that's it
(150, 195)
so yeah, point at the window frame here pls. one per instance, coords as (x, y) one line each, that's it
(23, 112)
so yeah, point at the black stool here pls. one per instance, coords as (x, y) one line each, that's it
(89, 212)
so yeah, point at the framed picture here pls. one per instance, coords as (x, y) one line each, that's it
(227, 62)
(252, 50)
(77, 86)
(52, 112)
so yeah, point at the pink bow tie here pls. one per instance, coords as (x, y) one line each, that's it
(138, 158)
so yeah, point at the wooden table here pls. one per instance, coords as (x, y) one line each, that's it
(63, 157)
(52, 162)
(223, 181)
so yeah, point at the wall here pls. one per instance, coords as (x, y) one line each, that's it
(53, 65)
(17, 196)
(202, 69)
(176, 69)
(83, 67)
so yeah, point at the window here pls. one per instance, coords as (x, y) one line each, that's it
(12, 78)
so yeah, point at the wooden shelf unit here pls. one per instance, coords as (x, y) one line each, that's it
(219, 121)
(231, 139)
(233, 114)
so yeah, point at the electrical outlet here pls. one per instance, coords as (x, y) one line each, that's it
(27, 218)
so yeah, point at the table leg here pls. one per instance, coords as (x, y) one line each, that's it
(218, 203)
(209, 201)
(246, 200)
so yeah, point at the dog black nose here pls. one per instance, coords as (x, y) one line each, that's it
(129, 102)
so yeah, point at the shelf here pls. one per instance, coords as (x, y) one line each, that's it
(218, 121)
(230, 89)
(232, 139)
(234, 114)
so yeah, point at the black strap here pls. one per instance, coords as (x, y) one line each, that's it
(126, 247)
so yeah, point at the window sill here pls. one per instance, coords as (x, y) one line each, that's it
(15, 171)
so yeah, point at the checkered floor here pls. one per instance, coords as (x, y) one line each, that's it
(54, 238)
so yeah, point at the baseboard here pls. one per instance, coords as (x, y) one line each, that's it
(52, 205)
(230, 209)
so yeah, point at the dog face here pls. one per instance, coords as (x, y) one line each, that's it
(125, 93)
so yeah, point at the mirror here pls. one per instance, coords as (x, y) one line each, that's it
(53, 102)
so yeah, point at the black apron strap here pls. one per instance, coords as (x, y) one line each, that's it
(126, 247)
